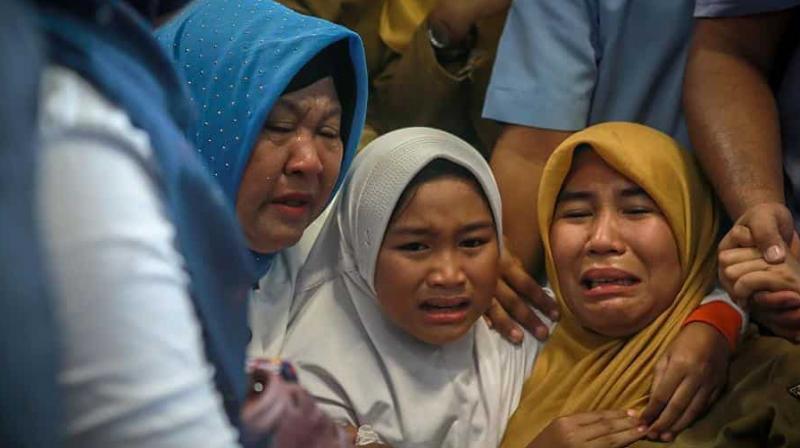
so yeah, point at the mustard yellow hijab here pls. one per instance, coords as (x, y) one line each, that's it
(579, 370)
(400, 20)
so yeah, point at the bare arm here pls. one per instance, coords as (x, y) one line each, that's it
(517, 162)
(731, 110)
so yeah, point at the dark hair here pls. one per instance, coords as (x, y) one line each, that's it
(333, 61)
(437, 169)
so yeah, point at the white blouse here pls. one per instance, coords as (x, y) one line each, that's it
(133, 371)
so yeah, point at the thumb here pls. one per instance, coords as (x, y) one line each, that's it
(772, 232)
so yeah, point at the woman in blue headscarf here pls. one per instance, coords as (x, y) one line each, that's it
(282, 100)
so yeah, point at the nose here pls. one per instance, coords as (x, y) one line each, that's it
(447, 271)
(604, 237)
(304, 156)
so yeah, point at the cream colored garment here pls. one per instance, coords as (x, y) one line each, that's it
(356, 362)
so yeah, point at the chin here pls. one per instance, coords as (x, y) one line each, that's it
(442, 336)
(274, 243)
(615, 327)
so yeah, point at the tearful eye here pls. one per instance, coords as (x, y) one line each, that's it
(412, 247)
(473, 242)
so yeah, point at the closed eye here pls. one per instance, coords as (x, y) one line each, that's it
(278, 128)
(638, 210)
(575, 214)
(329, 132)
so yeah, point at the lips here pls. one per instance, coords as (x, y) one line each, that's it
(293, 199)
(608, 280)
(292, 205)
(445, 310)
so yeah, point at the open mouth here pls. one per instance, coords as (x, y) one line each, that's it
(293, 205)
(445, 311)
(293, 202)
(592, 284)
(595, 279)
(433, 306)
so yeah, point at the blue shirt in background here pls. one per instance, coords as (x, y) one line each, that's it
(568, 64)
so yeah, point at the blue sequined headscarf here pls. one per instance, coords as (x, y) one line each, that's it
(238, 57)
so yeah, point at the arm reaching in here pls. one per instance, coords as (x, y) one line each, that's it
(738, 143)
(606, 429)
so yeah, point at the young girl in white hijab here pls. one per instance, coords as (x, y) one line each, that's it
(386, 330)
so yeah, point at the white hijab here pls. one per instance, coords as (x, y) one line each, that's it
(271, 302)
(356, 362)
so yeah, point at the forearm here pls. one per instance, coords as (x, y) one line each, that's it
(719, 311)
(517, 161)
(732, 114)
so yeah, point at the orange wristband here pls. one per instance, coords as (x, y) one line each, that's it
(721, 316)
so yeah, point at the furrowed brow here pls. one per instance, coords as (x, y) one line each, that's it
(568, 195)
(635, 191)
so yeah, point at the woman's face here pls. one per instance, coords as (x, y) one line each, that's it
(614, 251)
(437, 267)
(293, 167)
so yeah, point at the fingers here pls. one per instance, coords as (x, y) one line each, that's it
(678, 404)
(698, 404)
(738, 236)
(685, 377)
(606, 425)
(612, 429)
(733, 272)
(518, 281)
(784, 323)
(519, 310)
(668, 380)
(609, 428)
(773, 280)
(772, 228)
(589, 418)
(730, 274)
(733, 263)
(732, 257)
(659, 395)
(777, 300)
(263, 411)
(502, 323)
(620, 439)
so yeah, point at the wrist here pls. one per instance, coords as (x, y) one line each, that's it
(720, 316)
(741, 204)
(450, 47)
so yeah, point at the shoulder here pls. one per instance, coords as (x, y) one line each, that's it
(70, 105)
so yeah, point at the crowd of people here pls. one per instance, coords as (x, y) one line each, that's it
(416, 223)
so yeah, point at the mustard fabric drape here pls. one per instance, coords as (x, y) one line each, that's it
(579, 370)
(400, 20)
